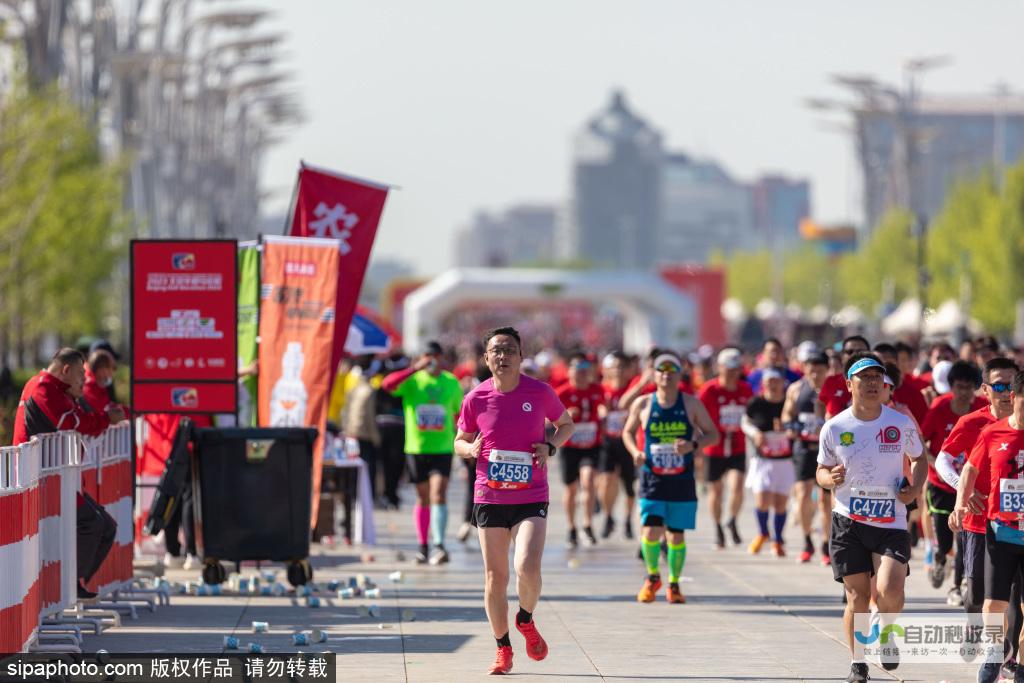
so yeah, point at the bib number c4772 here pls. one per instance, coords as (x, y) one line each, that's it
(585, 435)
(509, 469)
(873, 504)
(1011, 495)
(430, 417)
(664, 460)
(730, 416)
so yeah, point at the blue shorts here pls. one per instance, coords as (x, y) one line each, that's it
(676, 516)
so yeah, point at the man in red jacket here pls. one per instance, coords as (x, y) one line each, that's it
(48, 404)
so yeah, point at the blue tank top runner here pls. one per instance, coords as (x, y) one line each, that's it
(665, 474)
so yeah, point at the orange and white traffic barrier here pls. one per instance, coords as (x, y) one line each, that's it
(21, 586)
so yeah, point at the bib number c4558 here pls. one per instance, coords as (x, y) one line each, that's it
(509, 469)
(873, 504)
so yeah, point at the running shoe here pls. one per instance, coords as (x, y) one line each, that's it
(954, 598)
(609, 527)
(989, 672)
(719, 537)
(826, 559)
(674, 595)
(806, 556)
(1011, 671)
(572, 540)
(937, 573)
(890, 657)
(536, 648)
(462, 535)
(858, 673)
(503, 662)
(777, 549)
(649, 590)
(627, 529)
(734, 532)
(191, 562)
(421, 555)
(439, 556)
(755, 546)
(589, 539)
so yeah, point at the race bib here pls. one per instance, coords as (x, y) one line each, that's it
(430, 417)
(730, 416)
(664, 460)
(616, 422)
(585, 435)
(1011, 495)
(810, 426)
(776, 445)
(509, 469)
(873, 504)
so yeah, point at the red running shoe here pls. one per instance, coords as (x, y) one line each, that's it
(806, 556)
(536, 648)
(502, 663)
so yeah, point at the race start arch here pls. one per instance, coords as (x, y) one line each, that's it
(653, 311)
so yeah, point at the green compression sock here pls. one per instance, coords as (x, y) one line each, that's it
(652, 553)
(676, 558)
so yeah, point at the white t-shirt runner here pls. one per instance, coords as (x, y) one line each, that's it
(873, 455)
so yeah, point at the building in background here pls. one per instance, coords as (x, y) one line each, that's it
(703, 209)
(616, 181)
(524, 234)
(913, 156)
(779, 204)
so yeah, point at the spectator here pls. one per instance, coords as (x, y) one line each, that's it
(48, 404)
(99, 377)
(104, 345)
(358, 418)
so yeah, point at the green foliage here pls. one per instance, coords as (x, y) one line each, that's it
(888, 260)
(62, 230)
(748, 276)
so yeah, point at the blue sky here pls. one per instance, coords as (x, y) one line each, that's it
(469, 104)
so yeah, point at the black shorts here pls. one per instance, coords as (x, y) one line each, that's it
(506, 516)
(853, 543)
(805, 461)
(717, 465)
(421, 466)
(1003, 561)
(940, 501)
(974, 554)
(614, 455)
(575, 458)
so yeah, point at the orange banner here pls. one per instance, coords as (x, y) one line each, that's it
(297, 310)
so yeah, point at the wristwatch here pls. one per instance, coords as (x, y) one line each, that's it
(551, 448)
(693, 442)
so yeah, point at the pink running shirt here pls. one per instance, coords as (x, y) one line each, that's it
(513, 421)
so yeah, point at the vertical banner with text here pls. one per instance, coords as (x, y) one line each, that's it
(183, 330)
(333, 205)
(248, 328)
(296, 329)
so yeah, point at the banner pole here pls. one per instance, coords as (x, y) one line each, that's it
(290, 216)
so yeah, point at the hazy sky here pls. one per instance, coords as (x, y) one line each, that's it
(473, 104)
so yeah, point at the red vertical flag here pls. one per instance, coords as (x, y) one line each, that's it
(347, 209)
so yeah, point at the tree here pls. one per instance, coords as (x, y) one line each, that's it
(884, 266)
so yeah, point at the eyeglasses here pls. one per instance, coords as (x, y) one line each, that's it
(503, 351)
(668, 368)
(850, 352)
(1000, 387)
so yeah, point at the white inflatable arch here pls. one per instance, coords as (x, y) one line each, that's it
(654, 311)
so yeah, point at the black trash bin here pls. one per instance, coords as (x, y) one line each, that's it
(252, 489)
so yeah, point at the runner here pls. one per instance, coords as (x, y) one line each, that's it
(583, 398)
(773, 355)
(675, 426)
(616, 462)
(999, 373)
(431, 398)
(964, 380)
(725, 398)
(861, 459)
(803, 425)
(770, 475)
(502, 426)
(999, 453)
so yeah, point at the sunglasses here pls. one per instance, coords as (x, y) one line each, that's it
(668, 367)
(1000, 387)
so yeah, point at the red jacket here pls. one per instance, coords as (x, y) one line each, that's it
(94, 394)
(46, 406)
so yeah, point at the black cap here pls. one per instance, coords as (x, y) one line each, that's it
(104, 345)
(433, 348)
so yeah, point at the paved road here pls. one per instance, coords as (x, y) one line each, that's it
(747, 618)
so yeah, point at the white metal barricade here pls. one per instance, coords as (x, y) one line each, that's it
(19, 549)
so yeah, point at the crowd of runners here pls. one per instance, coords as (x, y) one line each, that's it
(879, 451)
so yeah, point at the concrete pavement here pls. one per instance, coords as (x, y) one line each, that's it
(748, 618)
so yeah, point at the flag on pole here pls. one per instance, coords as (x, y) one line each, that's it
(335, 206)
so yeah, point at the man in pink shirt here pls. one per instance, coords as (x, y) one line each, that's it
(503, 427)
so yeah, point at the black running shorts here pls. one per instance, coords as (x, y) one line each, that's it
(853, 543)
(507, 516)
